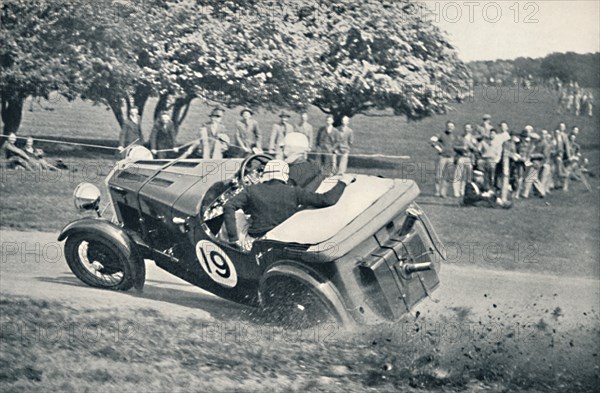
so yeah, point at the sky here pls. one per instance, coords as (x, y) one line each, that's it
(506, 29)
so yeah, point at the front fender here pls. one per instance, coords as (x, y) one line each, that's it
(312, 279)
(114, 232)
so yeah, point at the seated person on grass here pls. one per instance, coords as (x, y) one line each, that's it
(12, 156)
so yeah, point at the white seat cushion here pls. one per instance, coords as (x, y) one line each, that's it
(314, 226)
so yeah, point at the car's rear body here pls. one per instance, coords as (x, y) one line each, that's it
(367, 260)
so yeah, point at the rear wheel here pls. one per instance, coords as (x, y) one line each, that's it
(289, 302)
(99, 262)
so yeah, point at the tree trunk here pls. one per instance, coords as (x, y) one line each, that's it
(140, 97)
(161, 105)
(338, 114)
(12, 114)
(117, 110)
(180, 111)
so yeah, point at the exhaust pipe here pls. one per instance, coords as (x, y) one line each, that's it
(410, 268)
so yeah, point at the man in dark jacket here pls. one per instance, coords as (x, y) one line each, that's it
(478, 196)
(130, 130)
(162, 136)
(273, 201)
(248, 135)
(327, 142)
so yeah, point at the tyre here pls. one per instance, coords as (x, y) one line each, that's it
(99, 261)
(289, 302)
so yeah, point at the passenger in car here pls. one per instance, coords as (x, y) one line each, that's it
(304, 173)
(273, 201)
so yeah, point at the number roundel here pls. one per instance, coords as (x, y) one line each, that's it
(216, 263)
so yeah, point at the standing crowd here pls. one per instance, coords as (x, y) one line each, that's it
(572, 99)
(331, 145)
(496, 164)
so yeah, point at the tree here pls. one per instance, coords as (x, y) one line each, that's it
(377, 54)
(32, 57)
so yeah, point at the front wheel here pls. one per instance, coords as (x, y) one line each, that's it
(99, 262)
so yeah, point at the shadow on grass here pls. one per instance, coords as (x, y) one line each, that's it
(217, 307)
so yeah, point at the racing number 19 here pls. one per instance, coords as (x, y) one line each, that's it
(218, 262)
(215, 262)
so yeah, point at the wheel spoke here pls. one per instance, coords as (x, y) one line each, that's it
(107, 260)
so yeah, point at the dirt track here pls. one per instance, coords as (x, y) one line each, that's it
(544, 316)
(32, 266)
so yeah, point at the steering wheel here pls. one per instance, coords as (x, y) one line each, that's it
(252, 169)
(249, 173)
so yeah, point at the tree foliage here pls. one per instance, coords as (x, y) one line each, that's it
(343, 56)
(379, 54)
(33, 56)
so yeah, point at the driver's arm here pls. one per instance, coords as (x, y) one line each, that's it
(233, 205)
(313, 199)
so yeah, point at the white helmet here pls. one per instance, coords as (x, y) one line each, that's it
(295, 143)
(276, 170)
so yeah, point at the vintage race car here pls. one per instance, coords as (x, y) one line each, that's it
(370, 258)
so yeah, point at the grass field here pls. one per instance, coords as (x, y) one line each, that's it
(539, 235)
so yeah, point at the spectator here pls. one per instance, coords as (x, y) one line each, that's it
(560, 153)
(577, 164)
(477, 195)
(570, 99)
(577, 102)
(306, 128)
(509, 167)
(345, 141)
(590, 104)
(278, 134)
(130, 131)
(209, 140)
(523, 166)
(491, 155)
(36, 156)
(444, 144)
(162, 136)
(12, 156)
(539, 173)
(327, 141)
(486, 126)
(464, 147)
(248, 135)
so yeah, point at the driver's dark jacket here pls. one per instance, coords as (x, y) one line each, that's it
(271, 203)
(306, 174)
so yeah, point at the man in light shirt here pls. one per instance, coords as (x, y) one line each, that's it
(491, 155)
(345, 141)
(306, 128)
(278, 134)
(444, 144)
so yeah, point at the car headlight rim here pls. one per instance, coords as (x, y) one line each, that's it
(86, 197)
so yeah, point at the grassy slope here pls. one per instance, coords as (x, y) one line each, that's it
(549, 235)
(47, 346)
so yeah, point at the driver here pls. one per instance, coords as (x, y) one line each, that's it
(273, 201)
